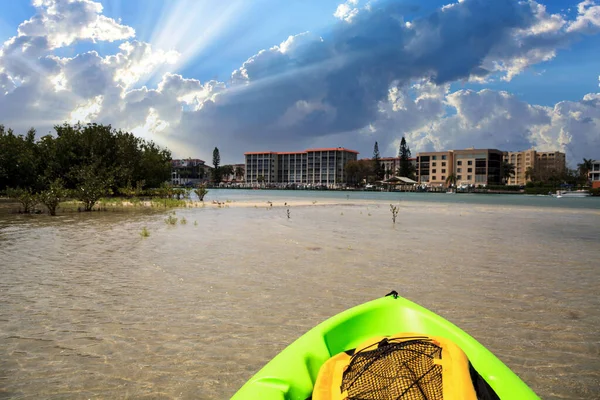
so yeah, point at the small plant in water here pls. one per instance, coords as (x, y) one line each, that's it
(195, 223)
(394, 210)
(288, 213)
(201, 191)
(145, 232)
(183, 221)
(171, 220)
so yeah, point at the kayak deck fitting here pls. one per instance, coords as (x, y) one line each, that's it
(386, 329)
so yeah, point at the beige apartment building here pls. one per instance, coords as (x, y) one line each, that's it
(522, 161)
(478, 167)
(470, 166)
(433, 168)
(323, 166)
(550, 161)
(541, 162)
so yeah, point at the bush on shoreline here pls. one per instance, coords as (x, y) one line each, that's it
(91, 160)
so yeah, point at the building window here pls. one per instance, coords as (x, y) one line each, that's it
(459, 163)
(459, 169)
(470, 162)
(434, 157)
(444, 164)
(469, 177)
(433, 164)
(433, 178)
(433, 171)
(443, 170)
(443, 157)
(444, 178)
(469, 169)
(458, 177)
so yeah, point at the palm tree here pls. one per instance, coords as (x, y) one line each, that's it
(451, 180)
(388, 173)
(227, 171)
(239, 172)
(584, 168)
(529, 174)
(508, 171)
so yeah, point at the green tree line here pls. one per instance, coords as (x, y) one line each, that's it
(82, 161)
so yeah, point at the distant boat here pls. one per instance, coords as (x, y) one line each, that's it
(572, 193)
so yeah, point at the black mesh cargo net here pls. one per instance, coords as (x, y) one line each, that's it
(395, 369)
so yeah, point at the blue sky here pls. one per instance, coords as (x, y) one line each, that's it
(534, 56)
(268, 22)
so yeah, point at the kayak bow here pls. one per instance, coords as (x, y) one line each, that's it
(292, 374)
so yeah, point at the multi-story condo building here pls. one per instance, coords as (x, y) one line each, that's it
(261, 166)
(540, 163)
(434, 167)
(552, 162)
(594, 174)
(478, 166)
(470, 166)
(323, 166)
(522, 161)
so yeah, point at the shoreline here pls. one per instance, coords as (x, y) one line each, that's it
(116, 204)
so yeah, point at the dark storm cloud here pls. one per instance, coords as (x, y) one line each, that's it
(351, 70)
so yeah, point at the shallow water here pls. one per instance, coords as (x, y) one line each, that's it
(90, 309)
(461, 198)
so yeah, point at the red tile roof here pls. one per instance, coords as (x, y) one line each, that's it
(389, 159)
(302, 152)
(334, 149)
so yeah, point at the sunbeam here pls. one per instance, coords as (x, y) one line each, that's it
(32, 65)
(328, 64)
(190, 26)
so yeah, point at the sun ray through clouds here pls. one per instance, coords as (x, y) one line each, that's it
(329, 64)
(191, 26)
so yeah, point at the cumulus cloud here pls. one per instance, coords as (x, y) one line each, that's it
(41, 89)
(347, 11)
(375, 76)
(488, 118)
(6, 84)
(64, 22)
(588, 18)
(348, 74)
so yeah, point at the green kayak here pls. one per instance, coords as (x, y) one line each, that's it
(298, 370)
